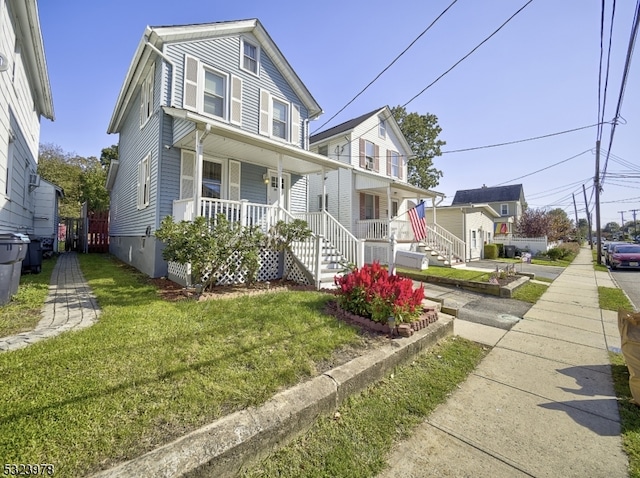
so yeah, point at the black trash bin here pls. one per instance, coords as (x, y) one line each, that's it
(33, 260)
(510, 251)
(13, 249)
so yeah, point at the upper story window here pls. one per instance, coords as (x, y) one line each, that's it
(249, 56)
(215, 94)
(369, 155)
(323, 150)
(146, 97)
(382, 129)
(395, 164)
(211, 92)
(280, 119)
(504, 209)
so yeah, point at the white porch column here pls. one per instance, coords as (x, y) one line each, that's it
(197, 187)
(279, 181)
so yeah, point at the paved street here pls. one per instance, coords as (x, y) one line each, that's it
(629, 281)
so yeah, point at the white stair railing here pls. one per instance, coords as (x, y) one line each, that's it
(442, 241)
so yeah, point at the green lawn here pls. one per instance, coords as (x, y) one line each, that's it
(150, 370)
(23, 312)
(357, 442)
(448, 272)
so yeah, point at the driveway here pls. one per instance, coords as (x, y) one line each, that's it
(548, 272)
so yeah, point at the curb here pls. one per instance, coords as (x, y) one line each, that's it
(224, 446)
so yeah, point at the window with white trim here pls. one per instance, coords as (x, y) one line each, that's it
(369, 154)
(215, 94)
(394, 208)
(395, 164)
(146, 97)
(504, 209)
(382, 129)
(249, 56)
(280, 119)
(370, 207)
(321, 204)
(144, 181)
(474, 239)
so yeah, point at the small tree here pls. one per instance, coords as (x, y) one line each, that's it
(212, 247)
(283, 234)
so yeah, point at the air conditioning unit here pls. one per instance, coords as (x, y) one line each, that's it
(369, 166)
(34, 180)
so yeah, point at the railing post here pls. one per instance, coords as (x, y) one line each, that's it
(360, 253)
(393, 244)
(318, 260)
(244, 207)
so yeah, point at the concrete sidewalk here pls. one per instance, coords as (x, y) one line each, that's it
(540, 404)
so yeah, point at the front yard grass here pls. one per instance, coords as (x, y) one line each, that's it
(529, 292)
(357, 443)
(151, 370)
(23, 312)
(448, 272)
(612, 298)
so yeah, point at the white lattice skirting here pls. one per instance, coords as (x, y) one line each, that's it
(269, 270)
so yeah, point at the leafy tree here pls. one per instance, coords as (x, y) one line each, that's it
(611, 227)
(583, 229)
(533, 223)
(82, 179)
(560, 226)
(107, 155)
(421, 132)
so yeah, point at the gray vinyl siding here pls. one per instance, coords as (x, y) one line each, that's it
(169, 170)
(181, 128)
(298, 193)
(252, 187)
(223, 54)
(134, 145)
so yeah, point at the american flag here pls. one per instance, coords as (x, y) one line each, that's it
(416, 216)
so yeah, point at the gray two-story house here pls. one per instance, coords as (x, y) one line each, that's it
(211, 119)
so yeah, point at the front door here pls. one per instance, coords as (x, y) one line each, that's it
(277, 195)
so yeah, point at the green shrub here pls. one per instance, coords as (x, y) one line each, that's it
(500, 249)
(490, 251)
(556, 253)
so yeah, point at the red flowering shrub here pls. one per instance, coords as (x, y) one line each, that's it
(371, 292)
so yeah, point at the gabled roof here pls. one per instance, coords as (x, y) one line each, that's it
(155, 38)
(26, 14)
(488, 195)
(343, 127)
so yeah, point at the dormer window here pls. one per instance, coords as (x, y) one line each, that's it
(382, 129)
(249, 56)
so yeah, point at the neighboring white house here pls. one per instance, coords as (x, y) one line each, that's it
(472, 223)
(25, 98)
(370, 194)
(46, 214)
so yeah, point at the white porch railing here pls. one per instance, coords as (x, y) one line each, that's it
(346, 244)
(448, 245)
(381, 229)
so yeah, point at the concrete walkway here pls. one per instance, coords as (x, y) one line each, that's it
(70, 305)
(540, 404)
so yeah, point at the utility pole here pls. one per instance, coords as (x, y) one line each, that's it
(635, 224)
(586, 208)
(596, 184)
(622, 219)
(575, 210)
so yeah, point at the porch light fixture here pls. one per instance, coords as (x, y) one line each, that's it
(265, 178)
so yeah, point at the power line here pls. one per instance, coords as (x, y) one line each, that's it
(601, 110)
(543, 169)
(522, 140)
(387, 67)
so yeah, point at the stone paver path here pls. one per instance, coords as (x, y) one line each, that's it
(69, 306)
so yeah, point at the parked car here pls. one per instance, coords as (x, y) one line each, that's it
(608, 249)
(625, 256)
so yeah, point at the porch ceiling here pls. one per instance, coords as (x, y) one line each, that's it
(225, 141)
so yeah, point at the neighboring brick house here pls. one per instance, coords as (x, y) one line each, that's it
(508, 201)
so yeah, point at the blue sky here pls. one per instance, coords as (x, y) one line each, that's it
(537, 76)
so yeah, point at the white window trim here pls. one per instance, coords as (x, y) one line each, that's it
(146, 97)
(257, 46)
(504, 207)
(399, 164)
(144, 182)
(382, 129)
(287, 137)
(369, 165)
(227, 93)
(224, 183)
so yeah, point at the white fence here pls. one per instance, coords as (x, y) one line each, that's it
(530, 244)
